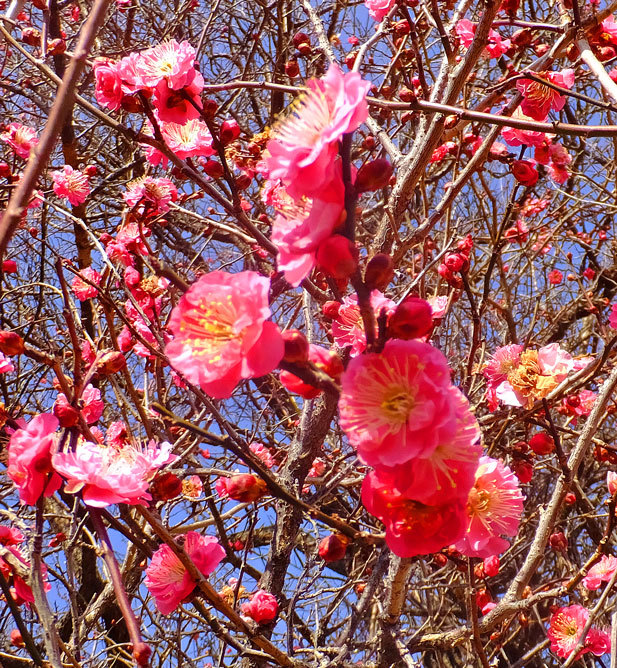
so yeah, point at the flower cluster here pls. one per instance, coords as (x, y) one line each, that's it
(566, 628)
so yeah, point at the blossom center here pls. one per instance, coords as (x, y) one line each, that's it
(398, 404)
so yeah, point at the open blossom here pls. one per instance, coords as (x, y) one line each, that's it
(378, 8)
(263, 453)
(518, 137)
(6, 366)
(221, 334)
(107, 83)
(398, 404)
(85, 290)
(262, 607)
(539, 99)
(494, 508)
(578, 405)
(496, 45)
(504, 360)
(566, 627)
(169, 61)
(30, 458)
(106, 475)
(22, 593)
(152, 193)
(91, 403)
(348, 326)
(167, 579)
(412, 528)
(20, 138)
(187, 140)
(71, 184)
(601, 572)
(304, 145)
(172, 106)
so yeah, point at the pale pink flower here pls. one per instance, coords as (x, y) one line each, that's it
(378, 9)
(504, 359)
(263, 453)
(612, 318)
(304, 145)
(301, 226)
(20, 138)
(539, 99)
(566, 627)
(154, 194)
(412, 528)
(439, 305)
(447, 474)
(108, 83)
(188, 140)
(71, 184)
(30, 458)
(83, 290)
(106, 475)
(611, 482)
(554, 361)
(517, 137)
(6, 366)
(398, 404)
(494, 509)
(221, 334)
(578, 405)
(167, 579)
(170, 61)
(348, 326)
(262, 607)
(496, 45)
(128, 69)
(601, 572)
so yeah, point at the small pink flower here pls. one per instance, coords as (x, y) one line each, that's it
(501, 363)
(305, 144)
(167, 579)
(263, 453)
(439, 306)
(348, 326)
(30, 458)
(192, 487)
(262, 607)
(566, 627)
(494, 508)
(517, 137)
(611, 482)
(117, 434)
(398, 404)
(554, 361)
(106, 475)
(169, 62)
(20, 138)
(108, 83)
(71, 184)
(154, 194)
(378, 9)
(6, 366)
(172, 106)
(83, 290)
(601, 572)
(539, 99)
(187, 140)
(221, 334)
(496, 45)
(412, 528)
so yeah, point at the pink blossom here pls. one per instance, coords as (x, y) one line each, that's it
(439, 306)
(518, 137)
(578, 405)
(169, 62)
(398, 404)
(22, 591)
(221, 334)
(172, 105)
(318, 468)
(154, 194)
(305, 144)
(20, 138)
(6, 366)
(611, 482)
(192, 487)
(301, 226)
(187, 140)
(262, 607)
(555, 361)
(84, 290)
(10, 536)
(494, 508)
(117, 434)
(566, 627)
(348, 326)
(106, 475)
(128, 241)
(92, 406)
(539, 99)
(71, 184)
(495, 47)
(108, 83)
(30, 458)
(167, 579)
(378, 9)
(601, 572)
(263, 453)
(411, 527)
(501, 363)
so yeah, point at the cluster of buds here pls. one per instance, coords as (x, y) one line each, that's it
(522, 461)
(456, 263)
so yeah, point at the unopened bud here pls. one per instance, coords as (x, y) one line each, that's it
(11, 343)
(542, 443)
(66, 414)
(111, 362)
(166, 486)
(333, 547)
(296, 347)
(412, 319)
(338, 257)
(373, 175)
(245, 487)
(379, 272)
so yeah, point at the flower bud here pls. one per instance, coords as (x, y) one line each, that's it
(245, 487)
(525, 172)
(111, 362)
(229, 131)
(558, 541)
(333, 547)
(412, 319)
(330, 309)
(522, 37)
(570, 499)
(379, 272)
(5, 170)
(141, 654)
(483, 597)
(16, 639)
(337, 257)
(373, 175)
(213, 168)
(455, 261)
(491, 566)
(300, 38)
(296, 347)
(9, 266)
(11, 343)
(542, 443)
(523, 470)
(292, 69)
(166, 486)
(66, 414)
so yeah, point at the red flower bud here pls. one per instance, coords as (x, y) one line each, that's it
(331, 309)
(491, 566)
(558, 541)
(292, 69)
(296, 347)
(11, 343)
(5, 170)
(16, 639)
(66, 414)
(141, 654)
(111, 362)
(523, 470)
(166, 486)
(522, 37)
(542, 443)
(305, 48)
(229, 131)
(300, 38)
(333, 547)
(379, 272)
(373, 175)
(245, 487)
(338, 257)
(570, 499)
(525, 172)
(455, 261)
(440, 560)
(401, 27)
(482, 597)
(412, 319)
(9, 266)
(210, 107)
(213, 168)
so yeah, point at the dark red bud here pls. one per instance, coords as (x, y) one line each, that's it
(333, 547)
(337, 257)
(66, 414)
(373, 175)
(412, 319)
(379, 272)
(166, 486)
(296, 347)
(111, 362)
(11, 343)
